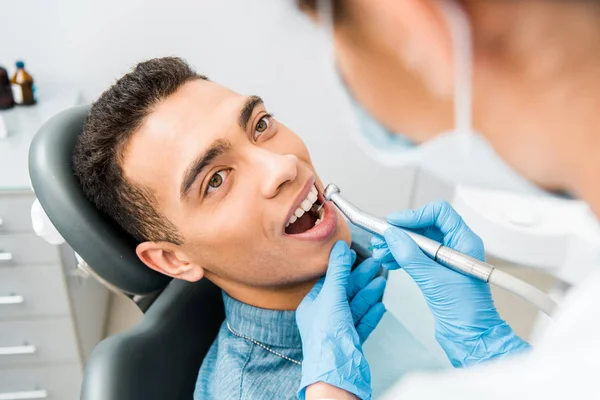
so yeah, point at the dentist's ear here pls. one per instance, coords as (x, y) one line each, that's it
(421, 37)
(168, 260)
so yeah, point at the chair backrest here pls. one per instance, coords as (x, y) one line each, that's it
(105, 247)
(159, 358)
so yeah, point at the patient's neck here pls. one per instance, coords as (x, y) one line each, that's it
(280, 298)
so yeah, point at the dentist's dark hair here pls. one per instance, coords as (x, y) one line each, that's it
(310, 7)
(98, 153)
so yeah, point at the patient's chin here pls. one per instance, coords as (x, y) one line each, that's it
(322, 269)
(343, 231)
(321, 265)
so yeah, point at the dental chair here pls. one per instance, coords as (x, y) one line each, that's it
(159, 358)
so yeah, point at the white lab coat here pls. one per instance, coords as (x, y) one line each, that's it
(565, 364)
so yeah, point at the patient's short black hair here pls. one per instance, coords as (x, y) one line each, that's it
(98, 154)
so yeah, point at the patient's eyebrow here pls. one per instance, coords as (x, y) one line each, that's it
(217, 148)
(251, 103)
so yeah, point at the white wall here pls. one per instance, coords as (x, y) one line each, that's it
(263, 47)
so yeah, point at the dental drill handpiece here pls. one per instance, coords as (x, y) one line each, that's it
(436, 251)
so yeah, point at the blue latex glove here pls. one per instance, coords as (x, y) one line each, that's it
(365, 292)
(467, 324)
(334, 318)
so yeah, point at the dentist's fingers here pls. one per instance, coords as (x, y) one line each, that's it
(382, 253)
(338, 272)
(314, 292)
(439, 214)
(380, 249)
(404, 249)
(442, 216)
(362, 275)
(377, 241)
(412, 260)
(367, 298)
(370, 321)
(390, 266)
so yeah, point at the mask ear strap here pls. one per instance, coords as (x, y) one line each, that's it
(325, 21)
(460, 33)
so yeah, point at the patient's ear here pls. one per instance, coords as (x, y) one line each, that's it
(168, 259)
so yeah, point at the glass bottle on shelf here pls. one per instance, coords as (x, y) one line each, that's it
(6, 96)
(22, 86)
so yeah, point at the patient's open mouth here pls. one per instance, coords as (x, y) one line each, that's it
(306, 216)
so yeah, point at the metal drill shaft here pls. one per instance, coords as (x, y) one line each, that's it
(436, 251)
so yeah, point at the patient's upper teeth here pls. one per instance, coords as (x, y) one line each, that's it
(306, 205)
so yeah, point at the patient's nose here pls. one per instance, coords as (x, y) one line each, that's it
(277, 169)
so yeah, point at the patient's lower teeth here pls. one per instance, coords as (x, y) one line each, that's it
(302, 224)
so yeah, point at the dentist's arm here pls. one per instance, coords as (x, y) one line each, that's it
(467, 324)
(324, 391)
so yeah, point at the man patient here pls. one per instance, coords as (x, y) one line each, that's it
(212, 186)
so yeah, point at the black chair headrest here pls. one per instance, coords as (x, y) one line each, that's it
(107, 249)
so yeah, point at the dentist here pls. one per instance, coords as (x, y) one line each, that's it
(533, 70)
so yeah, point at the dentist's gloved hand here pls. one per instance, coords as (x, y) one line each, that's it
(467, 324)
(365, 292)
(334, 318)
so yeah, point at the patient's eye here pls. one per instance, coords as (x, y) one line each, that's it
(216, 180)
(262, 125)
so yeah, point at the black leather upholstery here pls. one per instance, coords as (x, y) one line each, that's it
(101, 243)
(159, 358)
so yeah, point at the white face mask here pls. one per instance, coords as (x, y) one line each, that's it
(459, 156)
